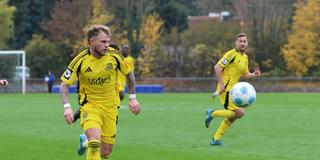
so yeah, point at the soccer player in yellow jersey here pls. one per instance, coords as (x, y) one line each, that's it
(121, 78)
(113, 48)
(96, 70)
(229, 69)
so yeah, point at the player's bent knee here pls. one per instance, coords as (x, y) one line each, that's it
(106, 150)
(105, 153)
(239, 114)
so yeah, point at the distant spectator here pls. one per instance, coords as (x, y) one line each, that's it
(4, 82)
(50, 81)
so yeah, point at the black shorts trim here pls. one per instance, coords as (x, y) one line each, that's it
(226, 102)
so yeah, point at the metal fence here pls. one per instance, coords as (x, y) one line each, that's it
(205, 84)
(262, 84)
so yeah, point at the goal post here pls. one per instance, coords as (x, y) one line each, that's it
(13, 67)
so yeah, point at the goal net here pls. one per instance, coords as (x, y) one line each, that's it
(13, 68)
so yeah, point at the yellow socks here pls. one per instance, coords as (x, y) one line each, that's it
(223, 113)
(225, 124)
(93, 150)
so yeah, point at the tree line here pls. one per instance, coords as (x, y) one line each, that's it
(283, 35)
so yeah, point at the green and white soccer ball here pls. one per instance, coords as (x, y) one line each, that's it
(243, 94)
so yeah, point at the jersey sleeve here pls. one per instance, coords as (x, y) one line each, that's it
(123, 66)
(227, 58)
(130, 61)
(70, 74)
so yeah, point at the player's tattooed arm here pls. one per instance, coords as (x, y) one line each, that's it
(64, 92)
(131, 83)
(68, 113)
(134, 105)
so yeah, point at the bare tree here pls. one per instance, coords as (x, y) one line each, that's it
(268, 22)
(68, 21)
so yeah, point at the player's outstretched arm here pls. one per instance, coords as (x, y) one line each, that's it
(4, 82)
(256, 73)
(134, 105)
(68, 113)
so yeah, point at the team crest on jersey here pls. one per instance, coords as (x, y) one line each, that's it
(109, 66)
(84, 115)
(224, 61)
(67, 74)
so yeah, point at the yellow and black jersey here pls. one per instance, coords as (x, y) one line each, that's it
(234, 64)
(114, 51)
(97, 77)
(130, 61)
(122, 79)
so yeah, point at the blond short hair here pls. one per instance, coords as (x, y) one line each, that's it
(96, 29)
(241, 35)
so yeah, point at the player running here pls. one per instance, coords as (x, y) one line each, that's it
(96, 70)
(228, 70)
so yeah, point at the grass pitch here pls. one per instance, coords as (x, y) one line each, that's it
(282, 126)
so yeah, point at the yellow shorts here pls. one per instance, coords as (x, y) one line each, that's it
(102, 117)
(226, 101)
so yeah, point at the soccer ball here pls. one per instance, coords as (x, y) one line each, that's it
(243, 94)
